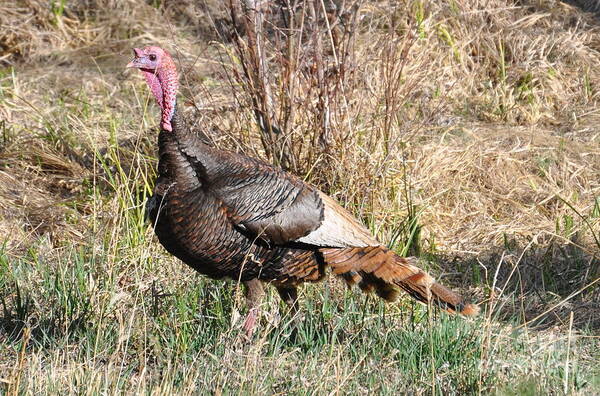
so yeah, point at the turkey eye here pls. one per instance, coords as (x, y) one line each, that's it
(152, 57)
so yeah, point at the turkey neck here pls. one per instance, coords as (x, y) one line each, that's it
(183, 155)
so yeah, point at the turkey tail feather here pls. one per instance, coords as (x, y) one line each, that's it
(380, 270)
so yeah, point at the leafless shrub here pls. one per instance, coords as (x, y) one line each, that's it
(296, 67)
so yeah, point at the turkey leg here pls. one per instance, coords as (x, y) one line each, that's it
(254, 295)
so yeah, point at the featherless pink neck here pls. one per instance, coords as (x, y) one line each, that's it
(164, 84)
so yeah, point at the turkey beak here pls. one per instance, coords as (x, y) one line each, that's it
(138, 53)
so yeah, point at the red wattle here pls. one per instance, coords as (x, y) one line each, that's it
(164, 83)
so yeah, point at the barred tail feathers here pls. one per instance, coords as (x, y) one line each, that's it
(378, 269)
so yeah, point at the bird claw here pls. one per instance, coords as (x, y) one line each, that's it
(250, 322)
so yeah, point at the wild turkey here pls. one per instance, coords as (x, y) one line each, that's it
(229, 215)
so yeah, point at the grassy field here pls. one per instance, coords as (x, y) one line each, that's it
(466, 132)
